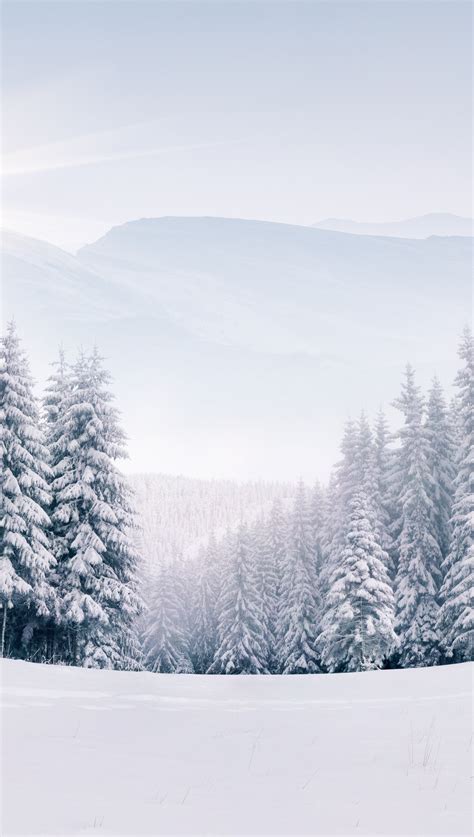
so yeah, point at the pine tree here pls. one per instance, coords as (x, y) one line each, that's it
(383, 500)
(166, 641)
(318, 514)
(419, 554)
(241, 648)
(204, 629)
(457, 593)
(26, 560)
(267, 584)
(92, 515)
(299, 601)
(441, 464)
(357, 631)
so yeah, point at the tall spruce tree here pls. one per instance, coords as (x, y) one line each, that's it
(456, 620)
(357, 631)
(166, 640)
(299, 601)
(25, 556)
(419, 554)
(241, 648)
(267, 585)
(92, 515)
(204, 628)
(441, 464)
(382, 499)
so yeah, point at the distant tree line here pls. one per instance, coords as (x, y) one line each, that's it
(375, 570)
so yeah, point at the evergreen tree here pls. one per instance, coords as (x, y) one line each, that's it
(241, 648)
(92, 515)
(383, 500)
(357, 631)
(166, 641)
(419, 554)
(299, 601)
(441, 464)
(267, 584)
(457, 593)
(318, 514)
(204, 629)
(25, 556)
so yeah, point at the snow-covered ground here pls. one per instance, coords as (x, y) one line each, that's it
(92, 752)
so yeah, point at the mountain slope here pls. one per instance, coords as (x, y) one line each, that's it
(177, 514)
(104, 752)
(239, 347)
(435, 223)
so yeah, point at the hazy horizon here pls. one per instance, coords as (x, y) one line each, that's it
(279, 111)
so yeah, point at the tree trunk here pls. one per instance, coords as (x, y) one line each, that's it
(4, 626)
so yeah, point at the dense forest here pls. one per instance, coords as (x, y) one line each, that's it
(374, 570)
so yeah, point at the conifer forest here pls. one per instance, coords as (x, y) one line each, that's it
(374, 569)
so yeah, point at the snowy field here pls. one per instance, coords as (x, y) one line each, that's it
(93, 752)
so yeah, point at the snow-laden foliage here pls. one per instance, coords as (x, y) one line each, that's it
(92, 515)
(456, 621)
(166, 640)
(357, 631)
(299, 599)
(419, 553)
(26, 559)
(441, 463)
(241, 636)
(376, 569)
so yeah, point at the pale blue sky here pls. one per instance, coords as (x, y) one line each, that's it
(288, 111)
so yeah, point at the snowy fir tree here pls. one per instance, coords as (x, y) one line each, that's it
(441, 464)
(299, 599)
(419, 553)
(241, 637)
(166, 640)
(267, 574)
(25, 555)
(456, 620)
(92, 515)
(204, 622)
(317, 517)
(357, 631)
(382, 498)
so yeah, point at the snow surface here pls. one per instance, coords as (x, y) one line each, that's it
(94, 752)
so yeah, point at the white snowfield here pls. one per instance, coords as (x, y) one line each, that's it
(95, 752)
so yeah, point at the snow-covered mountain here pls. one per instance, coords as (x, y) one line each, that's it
(238, 348)
(423, 226)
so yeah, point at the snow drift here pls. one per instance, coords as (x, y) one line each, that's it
(99, 752)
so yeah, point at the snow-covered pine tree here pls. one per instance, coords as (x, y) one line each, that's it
(382, 499)
(92, 515)
(241, 648)
(166, 641)
(456, 620)
(357, 631)
(317, 516)
(267, 585)
(441, 464)
(343, 484)
(419, 555)
(299, 608)
(54, 400)
(204, 628)
(25, 556)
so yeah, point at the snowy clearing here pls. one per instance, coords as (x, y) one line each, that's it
(99, 752)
